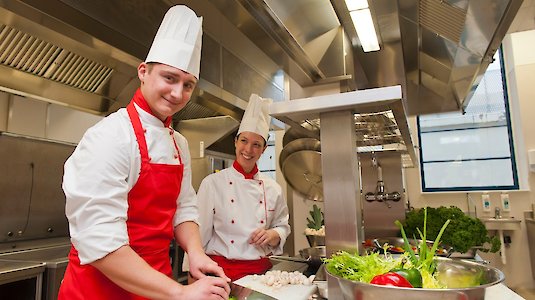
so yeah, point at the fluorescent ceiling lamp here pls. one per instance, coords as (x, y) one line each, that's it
(356, 4)
(362, 19)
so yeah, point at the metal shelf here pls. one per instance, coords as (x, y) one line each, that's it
(379, 117)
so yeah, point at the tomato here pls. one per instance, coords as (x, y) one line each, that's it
(391, 279)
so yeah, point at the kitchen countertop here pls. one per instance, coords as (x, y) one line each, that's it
(496, 292)
(52, 256)
(11, 271)
(501, 292)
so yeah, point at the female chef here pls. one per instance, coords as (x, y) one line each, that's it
(128, 185)
(243, 215)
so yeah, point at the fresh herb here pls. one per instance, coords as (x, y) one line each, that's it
(425, 256)
(316, 218)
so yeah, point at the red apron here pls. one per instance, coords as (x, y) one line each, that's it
(236, 269)
(151, 207)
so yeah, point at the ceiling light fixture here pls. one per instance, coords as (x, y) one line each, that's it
(362, 20)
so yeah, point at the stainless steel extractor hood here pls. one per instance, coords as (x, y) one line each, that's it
(84, 53)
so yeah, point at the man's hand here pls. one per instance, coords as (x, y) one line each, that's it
(208, 287)
(200, 265)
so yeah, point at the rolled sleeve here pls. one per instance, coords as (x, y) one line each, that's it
(96, 189)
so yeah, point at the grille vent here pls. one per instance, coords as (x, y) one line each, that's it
(443, 19)
(27, 53)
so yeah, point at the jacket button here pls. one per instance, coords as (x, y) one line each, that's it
(260, 182)
(230, 182)
(261, 221)
(232, 241)
(232, 221)
(232, 200)
(261, 201)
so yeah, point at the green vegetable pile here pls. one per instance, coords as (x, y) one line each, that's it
(463, 232)
(361, 268)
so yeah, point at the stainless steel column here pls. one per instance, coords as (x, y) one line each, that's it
(341, 187)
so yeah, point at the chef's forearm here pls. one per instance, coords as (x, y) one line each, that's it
(128, 270)
(188, 237)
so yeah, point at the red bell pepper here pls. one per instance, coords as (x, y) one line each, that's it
(392, 279)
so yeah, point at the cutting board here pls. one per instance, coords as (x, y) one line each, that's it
(290, 291)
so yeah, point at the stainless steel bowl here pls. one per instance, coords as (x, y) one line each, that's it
(364, 291)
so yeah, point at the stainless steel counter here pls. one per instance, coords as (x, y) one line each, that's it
(52, 261)
(21, 280)
(11, 271)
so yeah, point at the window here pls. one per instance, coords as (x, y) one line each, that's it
(267, 162)
(471, 151)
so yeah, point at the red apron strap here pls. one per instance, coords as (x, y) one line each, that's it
(139, 131)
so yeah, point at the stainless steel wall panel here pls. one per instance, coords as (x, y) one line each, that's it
(32, 202)
(211, 60)
(379, 216)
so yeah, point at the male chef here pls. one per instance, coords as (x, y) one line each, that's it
(128, 185)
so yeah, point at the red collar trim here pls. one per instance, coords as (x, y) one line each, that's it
(144, 105)
(239, 168)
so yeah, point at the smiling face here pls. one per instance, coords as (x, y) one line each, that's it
(166, 89)
(249, 148)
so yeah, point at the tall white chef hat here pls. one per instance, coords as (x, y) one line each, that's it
(256, 117)
(178, 40)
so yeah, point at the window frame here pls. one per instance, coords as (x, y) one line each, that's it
(514, 168)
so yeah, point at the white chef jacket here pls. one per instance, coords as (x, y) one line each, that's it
(232, 207)
(101, 171)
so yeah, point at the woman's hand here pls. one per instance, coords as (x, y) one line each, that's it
(263, 237)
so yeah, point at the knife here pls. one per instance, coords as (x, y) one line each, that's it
(243, 293)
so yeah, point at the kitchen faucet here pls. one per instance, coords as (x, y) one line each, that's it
(497, 213)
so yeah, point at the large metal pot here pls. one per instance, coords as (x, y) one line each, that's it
(300, 162)
(298, 145)
(364, 291)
